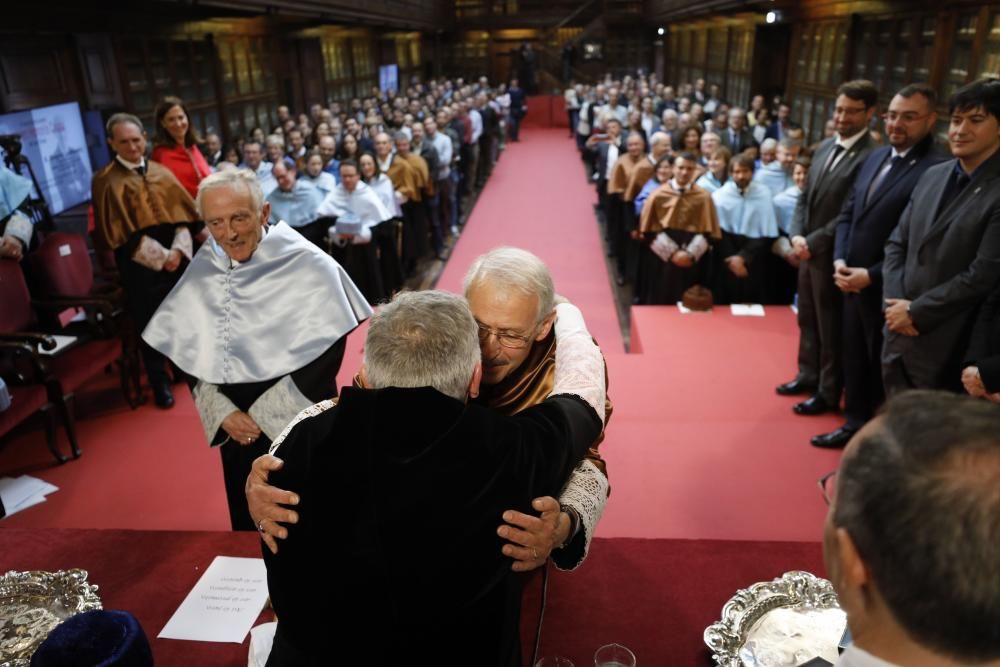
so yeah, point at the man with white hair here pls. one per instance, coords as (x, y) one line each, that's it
(512, 297)
(225, 326)
(377, 470)
(777, 173)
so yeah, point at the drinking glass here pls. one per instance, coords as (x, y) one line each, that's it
(614, 655)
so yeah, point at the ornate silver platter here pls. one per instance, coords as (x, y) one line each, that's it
(32, 604)
(786, 621)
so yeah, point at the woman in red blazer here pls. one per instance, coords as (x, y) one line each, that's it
(175, 145)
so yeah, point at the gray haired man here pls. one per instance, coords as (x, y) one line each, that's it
(377, 472)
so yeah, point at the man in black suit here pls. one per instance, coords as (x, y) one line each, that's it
(736, 137)
(778, 130)
(835, 166)
(604, 149)
(943, 259)
(981, 375)
(870, 213)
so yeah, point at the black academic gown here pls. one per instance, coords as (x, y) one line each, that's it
(754, 251)
(401, 493)
(316, 380)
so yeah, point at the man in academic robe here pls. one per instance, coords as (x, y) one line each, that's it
(749, 227)
(406, 182)
(618, 216)
(835, 165)
(511, 295)
(296, 201)
(660, 146)
(418, 205)
(230, 325)
(16, 229)
(357, 210)
(144, 215)
(678, 223)
(943, 259)
(378, 468)
(873, 206)
(777, 175)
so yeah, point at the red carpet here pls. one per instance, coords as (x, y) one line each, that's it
(699, 445)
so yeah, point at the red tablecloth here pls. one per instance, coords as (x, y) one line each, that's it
(654, 596)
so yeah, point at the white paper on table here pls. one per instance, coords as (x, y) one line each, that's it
(223, 605)
(747, 310)
(684, 310)
(20, 493)
(261, 641)
(61, 343)
(795, 309)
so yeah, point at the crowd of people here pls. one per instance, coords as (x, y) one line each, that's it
(889, 252)
(893, 251)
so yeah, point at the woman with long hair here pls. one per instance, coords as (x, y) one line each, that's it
(348, 149)
(175, 144)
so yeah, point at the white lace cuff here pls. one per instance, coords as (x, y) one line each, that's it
(579, 364)
(20, 227)
(311, 411)
(664, 246)
(213, 408)
(150, 254)
(697, 247)
(586, 493)
(182, 241)
(277, 406)
(781, 247)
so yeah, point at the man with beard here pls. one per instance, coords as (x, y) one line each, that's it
(511, 295)
(835, 166)
(870, 213)
(749, 227)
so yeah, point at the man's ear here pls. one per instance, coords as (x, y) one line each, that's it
(477, 377)
(363, 377)
(546, 327)
(855, 579)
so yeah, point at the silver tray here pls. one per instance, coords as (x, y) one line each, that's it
(32, 604)
(742, 615)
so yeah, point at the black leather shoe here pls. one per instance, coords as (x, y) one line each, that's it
(162, 396)
(814, 405)
(833, 440)
(795, 388)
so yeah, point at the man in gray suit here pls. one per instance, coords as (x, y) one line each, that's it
(943, 259)
(835, 166)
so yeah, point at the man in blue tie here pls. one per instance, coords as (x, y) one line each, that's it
(870, 213)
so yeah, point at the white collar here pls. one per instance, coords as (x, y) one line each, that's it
(853, 656)
(896, 153)
(849, 142)
(677, 188)
(131, 165)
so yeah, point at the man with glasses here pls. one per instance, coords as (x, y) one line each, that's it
(943, 259)
(834, 168)
(870, 213)
(910, 540)
(511, 295)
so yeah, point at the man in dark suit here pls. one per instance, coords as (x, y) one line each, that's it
(835, 166)
(605, 149)
(518, 109)
(943, 259)
(870, 213)
(778, 130)
(737, 137)
(981, 375)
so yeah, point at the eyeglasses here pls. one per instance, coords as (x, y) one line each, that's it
(908, 117)
(828, 486)
(505, 338)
